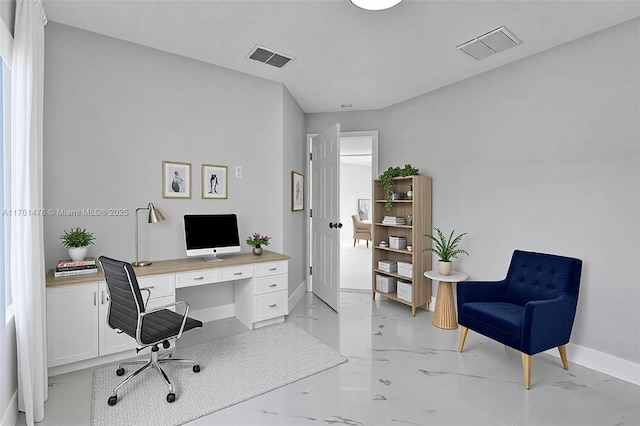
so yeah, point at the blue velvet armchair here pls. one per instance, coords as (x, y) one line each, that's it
(531, 310)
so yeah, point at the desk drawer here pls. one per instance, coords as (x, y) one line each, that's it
(236, 273)
(271, 284)
(159, 285)
(271, 268)
(271, 305)
(205, 276)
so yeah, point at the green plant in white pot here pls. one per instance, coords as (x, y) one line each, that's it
(77, 241)
(446, 249)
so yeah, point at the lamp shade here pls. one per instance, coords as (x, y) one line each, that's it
(375, 4)
(154, 214)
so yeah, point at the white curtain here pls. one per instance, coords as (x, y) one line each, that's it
(26, 263)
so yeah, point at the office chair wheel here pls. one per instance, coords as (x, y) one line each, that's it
(196, 368)
(113, 399)
(166, 344)
(171, 397)
(120, 372)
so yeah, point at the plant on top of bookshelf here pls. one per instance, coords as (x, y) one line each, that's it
(386, 180)
(77, 240)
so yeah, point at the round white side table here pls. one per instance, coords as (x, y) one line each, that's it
(444, 315)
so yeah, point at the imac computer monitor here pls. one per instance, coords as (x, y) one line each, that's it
(208, 235)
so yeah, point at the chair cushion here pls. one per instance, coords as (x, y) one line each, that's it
(164, 324)
(503, 316)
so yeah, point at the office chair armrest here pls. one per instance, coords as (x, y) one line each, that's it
(148, 290)
(160, 308)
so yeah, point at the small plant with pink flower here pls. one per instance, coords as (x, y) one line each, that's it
(258, 240)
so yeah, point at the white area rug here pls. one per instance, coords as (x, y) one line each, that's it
(233, 369)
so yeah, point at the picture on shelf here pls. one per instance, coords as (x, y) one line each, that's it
(176, 179)
(214, 181)
(297, 192)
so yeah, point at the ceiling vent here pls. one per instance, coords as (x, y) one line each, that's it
(269, 56)
(492, 42)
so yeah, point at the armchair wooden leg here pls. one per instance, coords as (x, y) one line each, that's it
(563, 356)
(463, 335)
(367, 243)
(526, 367)
(354, 243)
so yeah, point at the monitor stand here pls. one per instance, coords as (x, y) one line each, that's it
(211, 258)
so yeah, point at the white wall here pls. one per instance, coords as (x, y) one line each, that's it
(115, 110)
(355, 183)
(541, 154)
(294, 227)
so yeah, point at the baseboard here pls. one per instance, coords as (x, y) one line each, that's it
(10, 417)
(214, 313)
(297, 295)
(605, 363)
(432, 305)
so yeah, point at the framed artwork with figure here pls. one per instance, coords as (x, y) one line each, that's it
(214, 181)
(176, 179)
(297, 192)
(364, 207)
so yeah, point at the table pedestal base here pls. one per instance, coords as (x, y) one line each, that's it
(444, 315)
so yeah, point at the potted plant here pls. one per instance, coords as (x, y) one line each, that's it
(387, 183)
(446, 249)
(257, 241)
(77, 241)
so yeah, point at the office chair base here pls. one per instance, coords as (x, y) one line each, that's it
(155, 363)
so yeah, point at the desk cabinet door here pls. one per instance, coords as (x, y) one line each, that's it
(110, 340)
(72, 323)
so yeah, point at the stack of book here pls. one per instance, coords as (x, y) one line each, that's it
(69, 267)
(394, 220)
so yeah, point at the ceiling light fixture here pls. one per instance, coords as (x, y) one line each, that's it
(375, 4)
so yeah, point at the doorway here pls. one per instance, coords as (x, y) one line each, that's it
(356, 164)
(361, 164)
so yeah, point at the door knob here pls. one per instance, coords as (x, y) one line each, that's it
(339, 225)
(333, 225)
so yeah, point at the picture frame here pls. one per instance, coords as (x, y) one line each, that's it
(364, 208)
(297, 192)
(176, 179)
(214, 182)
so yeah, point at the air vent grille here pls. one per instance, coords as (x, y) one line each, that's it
(269, 56)
(490, 43)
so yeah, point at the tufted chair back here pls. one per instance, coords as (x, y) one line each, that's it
(539, 276)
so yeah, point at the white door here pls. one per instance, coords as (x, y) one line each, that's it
(325, 222)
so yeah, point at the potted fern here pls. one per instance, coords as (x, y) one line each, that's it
(77, 241)
(446, 249)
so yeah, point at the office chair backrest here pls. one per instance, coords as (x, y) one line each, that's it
(126, 301)
(539, 276)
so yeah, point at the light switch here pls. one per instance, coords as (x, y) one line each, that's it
(238, 172)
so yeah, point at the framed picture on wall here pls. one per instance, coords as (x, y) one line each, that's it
(176, 179)
(297, 192)
(364, 208)
(214, 181)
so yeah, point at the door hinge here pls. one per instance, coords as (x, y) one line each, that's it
(310, 270)
(310, 212)
(311, 156)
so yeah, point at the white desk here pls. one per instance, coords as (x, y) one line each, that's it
(77, 328)
(444, 314)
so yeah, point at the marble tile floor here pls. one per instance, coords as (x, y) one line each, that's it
(401, 371)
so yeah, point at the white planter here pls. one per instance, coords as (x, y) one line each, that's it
(444, 268)
(78, 253)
